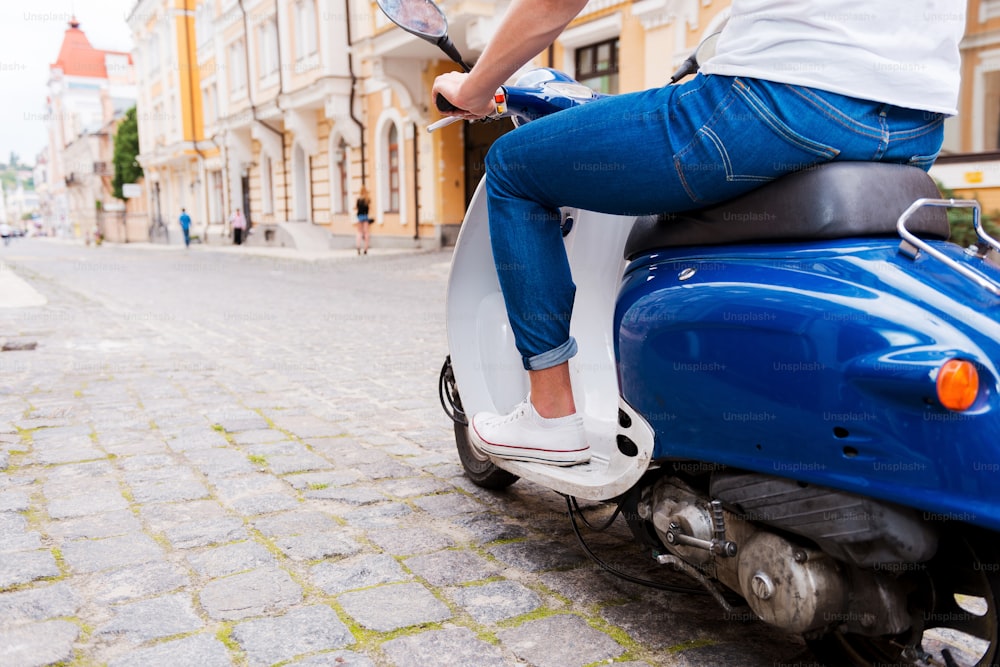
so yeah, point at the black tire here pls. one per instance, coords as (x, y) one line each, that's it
(965, 567)
(480, 469)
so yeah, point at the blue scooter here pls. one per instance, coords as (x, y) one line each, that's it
(792, 396)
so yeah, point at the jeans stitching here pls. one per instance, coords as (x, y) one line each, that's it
(787, 133)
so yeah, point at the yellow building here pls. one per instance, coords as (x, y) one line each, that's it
(173, 149)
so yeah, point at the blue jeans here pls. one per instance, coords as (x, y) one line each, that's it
(664, 150)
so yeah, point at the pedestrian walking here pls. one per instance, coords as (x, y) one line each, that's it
(185, 221)
(363, 223)
(6, 232)
(239, 224)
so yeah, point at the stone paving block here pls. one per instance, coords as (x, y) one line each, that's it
(282, 464)
(318, 481)
(565, 640)
(20, 567)
(206, 532)
(590, 584)
(357, 572)
(459, 647)
(404, 541)
(14, 501)
(413, 486)
(281, 448)
(388, 470)
(309, 427)
(194, 651)
(393, 606)
(174, 488)
(153, 619)
(260, 591)
(486, 528)
(220, 462)
(146, 462)
(24, 541)
(335, 659)
(38, 604)
(259, 436)
(235, 420)
(538, 555)
(316, 546)
(307, 630)
(95, 555)
(95, 526)
(230, 559)
(96, 501)
(377, 516)
(295, 523)
(496, 601)
(138, 444)
(161, 516)
(51, 454)
(134, 582)
(349, 495)
(37, 644)
(197, 439)
(449, 504)
(451, 567)
(263, 503)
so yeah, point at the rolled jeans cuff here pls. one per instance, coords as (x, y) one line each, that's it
(553, 357)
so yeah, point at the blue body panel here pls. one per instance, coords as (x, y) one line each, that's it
(818, 362)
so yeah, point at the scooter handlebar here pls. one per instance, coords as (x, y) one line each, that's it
(444, 105)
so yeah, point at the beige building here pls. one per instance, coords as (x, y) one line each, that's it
(287, 108)
(89, 91)
(970, 161)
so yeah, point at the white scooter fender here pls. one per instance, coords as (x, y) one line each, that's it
(488, 369)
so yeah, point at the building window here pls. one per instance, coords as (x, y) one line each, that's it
(597, 66)
(267, 185)
(237, 67)
(268, 44)
(305, 29)
(393, 162)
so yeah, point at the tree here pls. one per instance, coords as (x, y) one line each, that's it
(127, 169)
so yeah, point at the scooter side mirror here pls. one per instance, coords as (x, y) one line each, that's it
(425, 20)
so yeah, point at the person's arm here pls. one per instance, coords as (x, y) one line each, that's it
(526, 29)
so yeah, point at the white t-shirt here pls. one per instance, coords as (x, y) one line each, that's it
(902, 52)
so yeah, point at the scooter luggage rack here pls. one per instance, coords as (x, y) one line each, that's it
(912, 245)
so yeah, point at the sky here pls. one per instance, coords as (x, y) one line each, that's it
(31, 32)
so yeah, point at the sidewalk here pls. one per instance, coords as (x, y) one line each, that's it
(261, 251)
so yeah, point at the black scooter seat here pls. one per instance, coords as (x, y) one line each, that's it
(829, 201)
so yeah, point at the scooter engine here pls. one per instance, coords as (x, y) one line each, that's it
(791, 583)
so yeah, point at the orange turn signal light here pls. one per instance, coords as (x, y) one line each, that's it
(957, 384)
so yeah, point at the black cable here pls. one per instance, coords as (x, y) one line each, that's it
(618, 573)
(576, 506)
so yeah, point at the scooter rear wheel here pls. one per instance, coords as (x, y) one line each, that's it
(954, 609)
(479, 468)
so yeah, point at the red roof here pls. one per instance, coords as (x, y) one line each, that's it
(78, 58)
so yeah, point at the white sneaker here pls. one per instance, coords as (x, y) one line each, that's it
(524, 435)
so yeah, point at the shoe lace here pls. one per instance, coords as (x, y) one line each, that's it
(517, 413)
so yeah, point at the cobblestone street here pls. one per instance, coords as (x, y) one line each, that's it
(215, 458)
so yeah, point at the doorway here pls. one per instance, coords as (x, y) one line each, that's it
(478, 139)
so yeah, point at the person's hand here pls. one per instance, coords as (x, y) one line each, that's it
(472, 105)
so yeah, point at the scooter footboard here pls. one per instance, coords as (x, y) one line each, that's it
(488, 369)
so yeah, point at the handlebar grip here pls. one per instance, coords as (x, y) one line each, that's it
(443, 104)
